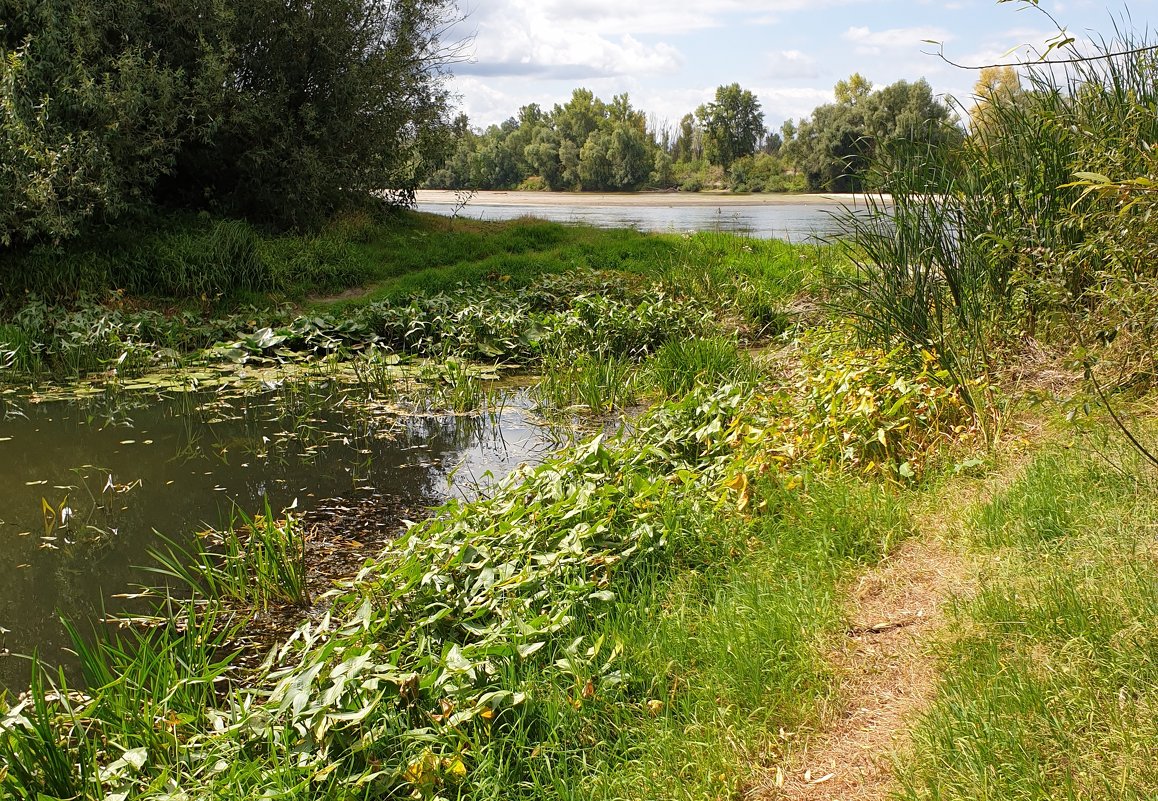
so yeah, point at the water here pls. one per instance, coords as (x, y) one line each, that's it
(804, 221)
(117, 471)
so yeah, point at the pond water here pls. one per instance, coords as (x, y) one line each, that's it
(803, 221)
(84, 485)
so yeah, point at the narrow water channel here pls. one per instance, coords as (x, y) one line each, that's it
(85, 486)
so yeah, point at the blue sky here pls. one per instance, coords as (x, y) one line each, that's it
(670, 55)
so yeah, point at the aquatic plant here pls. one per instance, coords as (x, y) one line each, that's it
(254, 562)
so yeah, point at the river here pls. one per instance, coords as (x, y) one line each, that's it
(794, 218)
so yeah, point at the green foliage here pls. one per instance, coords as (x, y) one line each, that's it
(733, 125)
(1038, 226)
(89, 115)
(279, 114)
(592, 384)
(681, 365)
(593, 145)
(868, 412)
(254, 563)
(835, 147)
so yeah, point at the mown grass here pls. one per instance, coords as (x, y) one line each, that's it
(1050, 691)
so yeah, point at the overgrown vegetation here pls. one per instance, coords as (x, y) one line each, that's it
(565, 631)
(487, 292)
(1036, 228)
(653, 614)
(277, 115)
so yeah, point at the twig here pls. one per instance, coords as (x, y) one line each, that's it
(1150, 457)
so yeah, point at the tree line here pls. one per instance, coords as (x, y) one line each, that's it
(589, 144)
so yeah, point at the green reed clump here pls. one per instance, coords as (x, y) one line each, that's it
(45, 749)
(593, 384)
(976, 247)
(680, 365)
(255, 562)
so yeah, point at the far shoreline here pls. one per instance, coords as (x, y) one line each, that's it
(446, 197)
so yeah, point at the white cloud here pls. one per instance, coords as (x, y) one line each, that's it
(791, 64)
(868, 42)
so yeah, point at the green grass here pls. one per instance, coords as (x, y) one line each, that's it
(255, 562)
(591, 384)
(680, 365)
(611, 624)
(1050, 691)
(421, 284)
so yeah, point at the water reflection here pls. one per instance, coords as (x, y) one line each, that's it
(84, 486)
(792, 222)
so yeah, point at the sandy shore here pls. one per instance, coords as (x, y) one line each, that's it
(653, 199)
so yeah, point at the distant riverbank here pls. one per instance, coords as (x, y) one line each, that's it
(635, 199)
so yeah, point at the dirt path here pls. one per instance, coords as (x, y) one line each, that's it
(890, 674)
(896, 612)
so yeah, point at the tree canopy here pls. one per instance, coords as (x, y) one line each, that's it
(281, 110)
(836, 145)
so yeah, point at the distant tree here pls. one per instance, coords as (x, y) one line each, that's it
(542, 155)
(994, 85)
(733, 125)
(853, 90)
(615, 158)
(689, 140)
(580, 116)
(836, 145)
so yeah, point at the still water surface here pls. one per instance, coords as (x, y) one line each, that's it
(802, 221)
(84, 485)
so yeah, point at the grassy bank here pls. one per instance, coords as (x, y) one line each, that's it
(571, 635)
(1049, 690)
(420, 285)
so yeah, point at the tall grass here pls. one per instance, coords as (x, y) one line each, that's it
(998, 240)
(681, 365)
(255, 562)
(589, 383)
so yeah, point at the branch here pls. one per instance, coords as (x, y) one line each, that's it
(1063, 40)
(1045, 61)
(1150, 457)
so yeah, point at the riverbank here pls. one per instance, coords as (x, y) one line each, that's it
(788, 560)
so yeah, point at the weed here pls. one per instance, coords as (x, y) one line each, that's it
(679, 366)
(255, 562)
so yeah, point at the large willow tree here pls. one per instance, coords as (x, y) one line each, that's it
(277, 110)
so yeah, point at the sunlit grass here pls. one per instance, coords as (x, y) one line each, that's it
(1050, 690)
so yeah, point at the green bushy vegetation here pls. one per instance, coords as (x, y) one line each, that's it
(1037, 227)
(572, 629)
(494, 292)
(274, 115)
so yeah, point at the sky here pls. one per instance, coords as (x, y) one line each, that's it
(670, 55)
